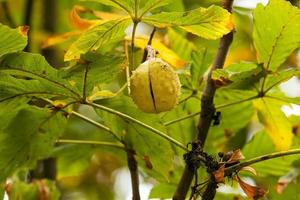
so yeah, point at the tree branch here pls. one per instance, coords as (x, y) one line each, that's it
(134, 173)
(252, 161)
(207, 108)
(90, 142)
(97, 124)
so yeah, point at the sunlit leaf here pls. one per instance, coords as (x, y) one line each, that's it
(12, 40)
(275, 122)
(239, 76)
(77, 21)
(274, 167)
(210, 23)
(164, 52)
(96, 37)
(125, 5)
(148, 5)
(276, 32)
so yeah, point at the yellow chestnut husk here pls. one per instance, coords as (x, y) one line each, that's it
(155, 86)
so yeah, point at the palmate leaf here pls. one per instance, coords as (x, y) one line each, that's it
(276, 32)
(44, 78)
(97, 37)
(29, 136)
(275, 122)
(12, 40)
(148, 5)
(125, 5)
(209, 23)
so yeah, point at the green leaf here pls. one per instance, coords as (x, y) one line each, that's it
(180, 44)
(163, 191)
(11, 88)
(44, 79)
(28, 137)
(261, 144)
(101, 69)
(239, 76)
(125, 5)
(201, 60)
(276, 32)
(97, 37)
(148, 5)
(275, 122)
(232, 121)
(146, 144)
(276, 78)
(11, 40)
(210, 23)
(39, 189)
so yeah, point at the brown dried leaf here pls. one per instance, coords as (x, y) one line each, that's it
(236, 156)
(24, 30)
(287, 179)
(44, 191)
(219, 175)
(252, 192)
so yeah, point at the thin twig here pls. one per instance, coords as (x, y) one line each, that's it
(85, 81)
(97, 124)
(132, 46)
(134, 174)
(127, 70)
(91, 142)
(258, 159)
(207, 108)
(219, 107)
(149, 43)
(127, 117)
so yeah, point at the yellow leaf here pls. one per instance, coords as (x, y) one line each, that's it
(106, 16)
(102, 94)
(275, 122)
(58, 39)
(77, 21)
(165, 53)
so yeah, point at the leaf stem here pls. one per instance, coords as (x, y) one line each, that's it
(101, 126)
(85, 82)
(217, 108)
(127, 117)
(135, 23)
(92, 142)
(260, 159)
